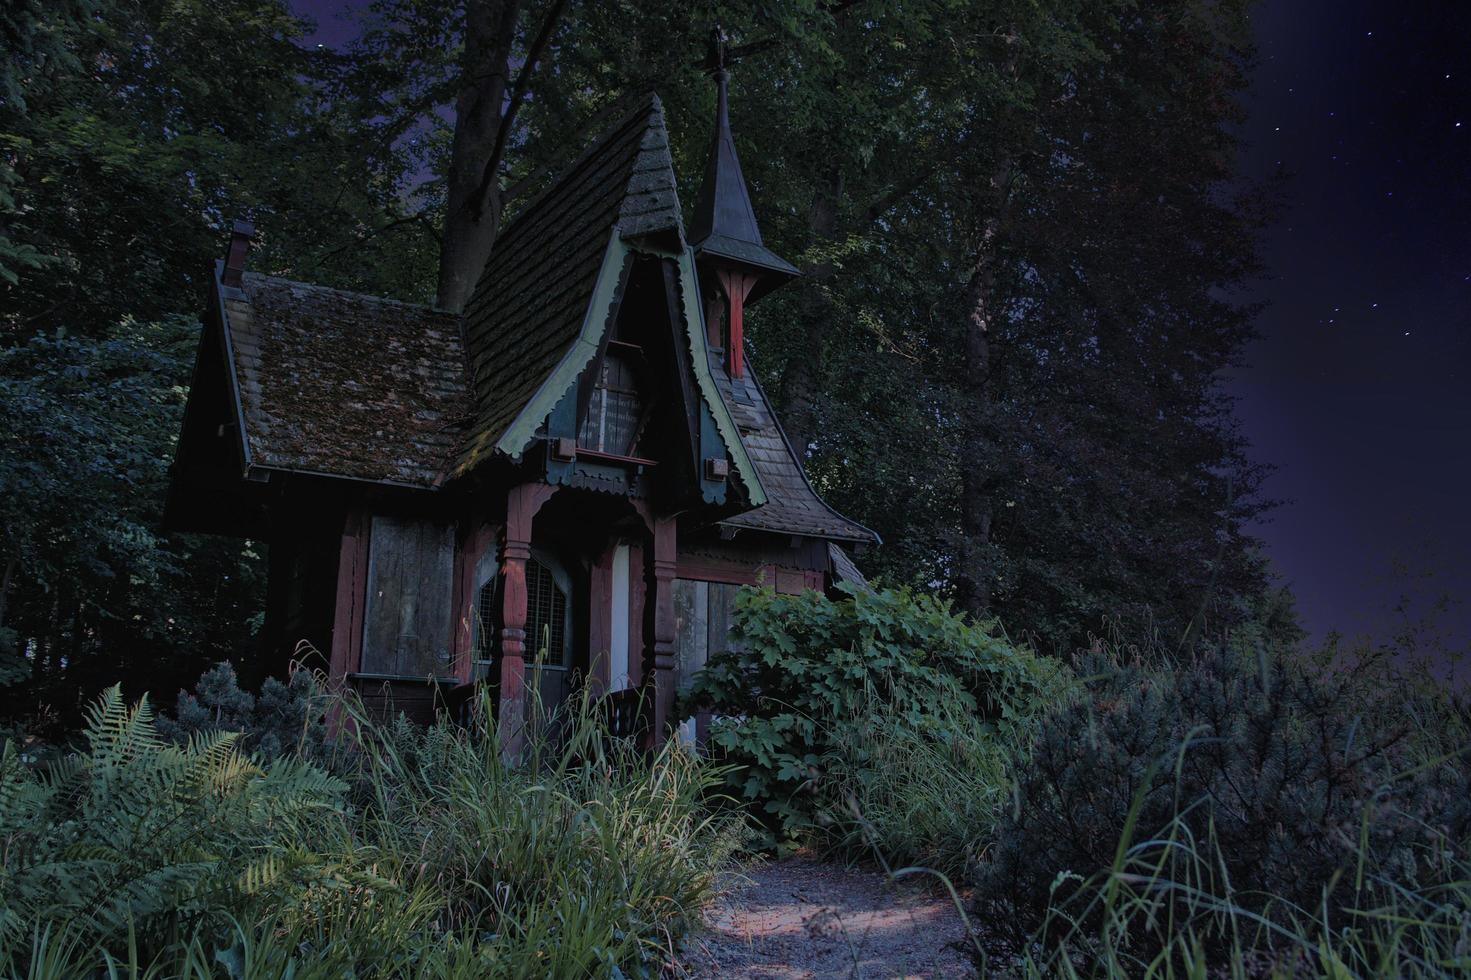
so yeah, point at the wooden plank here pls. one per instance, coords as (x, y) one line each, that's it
(409, 626)
(351, 583)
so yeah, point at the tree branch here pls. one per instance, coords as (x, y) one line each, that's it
(518, 96)
(897, 193)
(417, 216)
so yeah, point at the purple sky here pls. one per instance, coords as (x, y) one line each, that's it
(1358, 387)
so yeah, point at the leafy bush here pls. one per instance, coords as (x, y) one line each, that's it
(807, 671)
(1250, 783)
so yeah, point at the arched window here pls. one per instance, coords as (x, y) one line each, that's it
(615, 407)
(548, 615)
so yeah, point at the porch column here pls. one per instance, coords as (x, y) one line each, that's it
(665, 553)
(522, 503)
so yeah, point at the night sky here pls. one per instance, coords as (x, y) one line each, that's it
(1357, 389)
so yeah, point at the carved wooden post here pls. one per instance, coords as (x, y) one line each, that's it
(664, 553)
(522, 503)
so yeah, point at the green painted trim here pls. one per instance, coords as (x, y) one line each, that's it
(606, 294)
(227, 345)
(694, 321)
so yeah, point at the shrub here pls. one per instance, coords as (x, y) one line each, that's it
(928, 794)
(1237, 781)
(286, 717)
(146, 858)
(805, 667)
(587, 859)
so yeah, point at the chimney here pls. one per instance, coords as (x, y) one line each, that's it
(240, 236)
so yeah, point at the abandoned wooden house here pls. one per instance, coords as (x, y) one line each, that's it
(583, 460)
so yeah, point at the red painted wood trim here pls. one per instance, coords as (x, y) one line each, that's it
(716, 570)
(600, 623)
(602, 457)
(522, 503)
(665, 555)
(352, 584)
(736, 286)
(790, 581)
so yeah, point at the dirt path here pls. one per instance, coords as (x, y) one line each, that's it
(802, 918)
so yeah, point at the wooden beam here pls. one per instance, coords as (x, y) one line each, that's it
(522, 503)
(352, 585)
(663, 566)
(472, 547)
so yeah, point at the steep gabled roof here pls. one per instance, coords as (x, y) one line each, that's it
(539, 283)
(348, 385)
(344, 384)
(792, 505)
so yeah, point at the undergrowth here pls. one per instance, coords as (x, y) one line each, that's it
(426, 853)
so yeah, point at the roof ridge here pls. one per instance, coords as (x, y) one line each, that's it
(641, 105)
(353, 294)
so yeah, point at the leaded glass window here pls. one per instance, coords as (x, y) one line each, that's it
(614, 409)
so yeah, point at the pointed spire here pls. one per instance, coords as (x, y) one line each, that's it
(724, 230)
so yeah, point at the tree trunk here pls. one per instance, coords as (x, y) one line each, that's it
(7, 581)
(802, 379)
(473, 205)
(975, 563)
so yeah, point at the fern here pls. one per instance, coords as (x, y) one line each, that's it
(138, 836)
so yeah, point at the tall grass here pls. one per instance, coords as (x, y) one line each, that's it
(928, 794)
(1380, 886)
(426, 854)
(1166, 909)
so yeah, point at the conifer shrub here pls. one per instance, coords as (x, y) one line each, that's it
(805, 672)
(289, 716)
(1239, 787)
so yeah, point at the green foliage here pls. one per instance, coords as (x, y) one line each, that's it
(138, 838)
(431, 857)
(586, 859)
(287, 717)
(84, 457)
(802, 665)
(929, 794)
(1241, 777)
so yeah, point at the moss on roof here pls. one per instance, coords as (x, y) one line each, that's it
(345, 384)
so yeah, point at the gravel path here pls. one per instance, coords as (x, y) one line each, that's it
(801, 918)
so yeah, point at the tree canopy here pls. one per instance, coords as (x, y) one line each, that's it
(1016, 223)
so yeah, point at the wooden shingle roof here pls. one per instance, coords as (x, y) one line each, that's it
(344, 384)
(538, 284)
(792, 505)
(348, 385)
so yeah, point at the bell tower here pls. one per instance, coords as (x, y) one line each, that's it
(736, 269)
